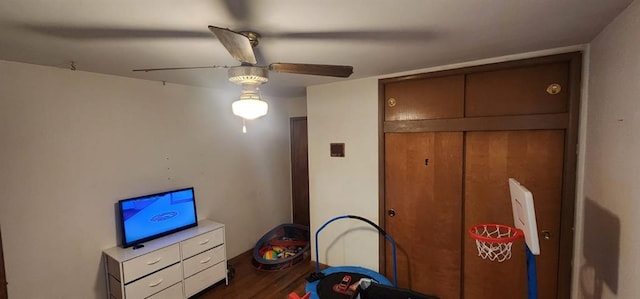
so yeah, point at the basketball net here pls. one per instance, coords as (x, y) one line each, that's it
(494, 241)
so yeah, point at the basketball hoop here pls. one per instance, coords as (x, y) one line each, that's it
(494, 240)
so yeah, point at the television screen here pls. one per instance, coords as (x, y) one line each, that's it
(151, 216)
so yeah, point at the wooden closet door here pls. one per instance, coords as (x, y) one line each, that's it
(429, 98)
(423, 186)
(535, 159)
(518, 91)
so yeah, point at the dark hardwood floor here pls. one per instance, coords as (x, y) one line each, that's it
(251, 283)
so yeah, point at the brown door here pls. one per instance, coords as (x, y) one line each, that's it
(299, 171)
(3, 278)
(535, 159)
(423, 192)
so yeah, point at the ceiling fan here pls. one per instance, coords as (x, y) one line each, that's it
(240, 45)
(249, 75)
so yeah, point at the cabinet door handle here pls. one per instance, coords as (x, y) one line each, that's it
(554, 88)
(204, 242)
(154, 262)
(205, 260)
(155, 284)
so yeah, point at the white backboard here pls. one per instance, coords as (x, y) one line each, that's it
(524, 214)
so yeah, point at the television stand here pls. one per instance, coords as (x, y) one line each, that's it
(179, 265)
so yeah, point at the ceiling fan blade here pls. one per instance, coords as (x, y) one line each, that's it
(342, 71)
(89, 33)
(237, 44)
(182, 68)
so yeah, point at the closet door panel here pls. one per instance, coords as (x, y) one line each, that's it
(518, 91)
(535, 159)
(423, 187)
(431, 98)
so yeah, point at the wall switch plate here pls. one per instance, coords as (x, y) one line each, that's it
(337, 149)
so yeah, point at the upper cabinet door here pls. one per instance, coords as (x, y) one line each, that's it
(430, 98)
(525, 90)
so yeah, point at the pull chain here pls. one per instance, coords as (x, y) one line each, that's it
(244, 127)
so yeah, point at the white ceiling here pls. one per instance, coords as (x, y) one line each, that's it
(374, 36)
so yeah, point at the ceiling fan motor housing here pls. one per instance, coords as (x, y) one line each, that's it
(244, 75)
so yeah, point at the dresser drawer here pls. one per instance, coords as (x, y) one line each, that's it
(150, 262)
(204, 279)
(114, 288)
(204, 260)
(154, 283)
(201, 243)
(172, 292)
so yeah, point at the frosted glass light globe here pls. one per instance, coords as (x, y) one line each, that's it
(249, 108)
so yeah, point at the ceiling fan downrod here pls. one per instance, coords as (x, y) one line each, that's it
(254, 38)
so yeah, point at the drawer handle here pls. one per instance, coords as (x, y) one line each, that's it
(205, 260)
(204, 242)
(155, 284)
(154, 262)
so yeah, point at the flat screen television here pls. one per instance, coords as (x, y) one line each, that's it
(152, 216)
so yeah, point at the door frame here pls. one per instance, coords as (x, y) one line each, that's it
(3, 276)
(299, 180)
(568, 121)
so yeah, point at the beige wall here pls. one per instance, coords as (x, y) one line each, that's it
(609, 263)
(344, 112)
(73, 143)
(297, 107)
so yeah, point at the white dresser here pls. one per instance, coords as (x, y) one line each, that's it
(175, 266)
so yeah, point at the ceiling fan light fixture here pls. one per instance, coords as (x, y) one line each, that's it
(250, 109)
(250, 106)
(243, 75)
